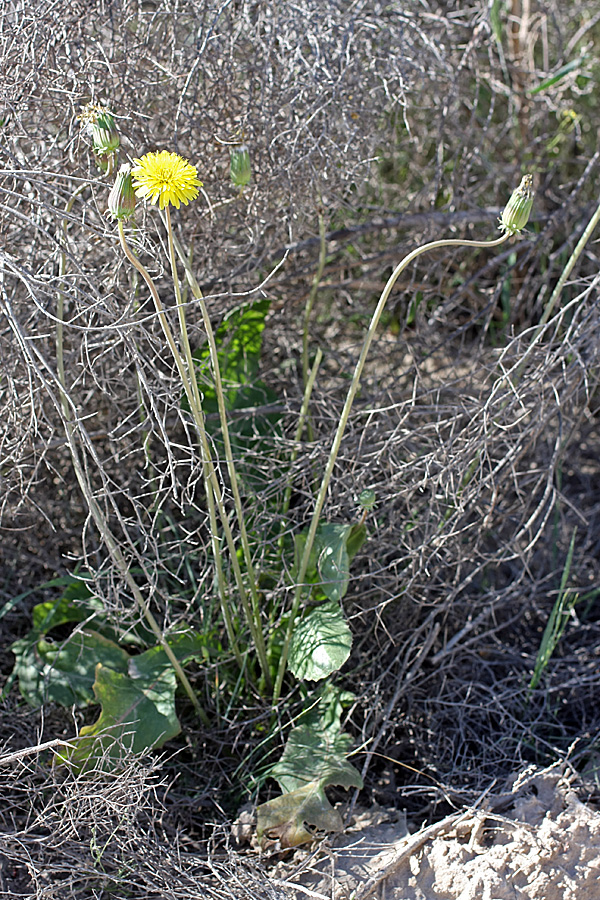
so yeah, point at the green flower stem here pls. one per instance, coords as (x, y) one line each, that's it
(213, 493)
(253, 618)
(96, 512)
(311, 298)
(569, 268)
(354, 386)
(211, 480)
(300, 428)
(198, 414)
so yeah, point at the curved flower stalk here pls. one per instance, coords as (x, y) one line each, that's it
(513, 220)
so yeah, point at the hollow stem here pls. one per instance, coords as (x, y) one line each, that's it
(213, 487)
(253, 618)
(352, 391)
(311, 299)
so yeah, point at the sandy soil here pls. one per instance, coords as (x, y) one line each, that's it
(536, 841)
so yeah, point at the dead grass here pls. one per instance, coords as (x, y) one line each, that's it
(482, 468)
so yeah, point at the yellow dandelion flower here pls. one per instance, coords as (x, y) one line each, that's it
(165, 177)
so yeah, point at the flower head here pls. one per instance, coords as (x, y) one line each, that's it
(165, 177)
(366, 499)
(121, 200)
(518, 209)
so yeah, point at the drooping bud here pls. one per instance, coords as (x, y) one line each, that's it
(518, 209)
(121, 200)
(240, 168)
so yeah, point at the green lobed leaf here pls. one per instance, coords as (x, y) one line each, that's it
(309, 754)
(138, 703)
(64, 672)
(314, 758)
(150, 664)
(317, 747)
(76, 604)
(311, 571)
(333, 562)
(284, 817)
(63, 581)
(334, 548)
(327, 712)
(137, 714)
(355, 539)
(321, 643)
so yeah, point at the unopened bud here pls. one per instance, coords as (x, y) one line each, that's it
(518, 209)
(106, 164)
(240, 169)
(105, 137)
(121, 200)
(366, 499)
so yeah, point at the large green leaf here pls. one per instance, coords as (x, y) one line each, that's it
(76, 604)
(137, 714)
(337, 545)
(63, 581)
(321, 643)
(355, 539)
(64, 672)
(284, 817)
(334, 548)
(138, 703)
(186, 645)
(317, 747)
(314, 758)
(252, 425)
(309, 754)
(334, 562)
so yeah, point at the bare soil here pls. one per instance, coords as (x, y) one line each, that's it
(536, 841)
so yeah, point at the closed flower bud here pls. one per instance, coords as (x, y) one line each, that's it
(366, 499)
(106, 164)
(105, 137)
(518, 209)
(121, 200)
(240, 169)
